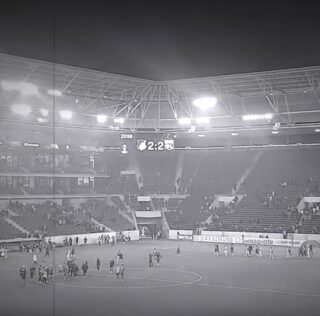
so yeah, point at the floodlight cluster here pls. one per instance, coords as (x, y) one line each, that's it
(25, 88)
(66, 114)
(205, 103)
(258, 117)
(21, 109)
(101, 118)
(54, 92)
(118, 120)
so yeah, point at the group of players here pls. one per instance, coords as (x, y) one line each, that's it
(155, 257)
(70, 269)
(305, 251)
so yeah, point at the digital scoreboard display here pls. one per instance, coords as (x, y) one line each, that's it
(144, 143)
(151, 145)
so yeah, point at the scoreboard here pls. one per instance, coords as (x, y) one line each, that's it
(151, 145)
(138, 143)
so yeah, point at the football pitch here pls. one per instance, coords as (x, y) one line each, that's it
(192, 283)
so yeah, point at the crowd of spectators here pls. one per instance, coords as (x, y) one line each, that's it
(53, 215)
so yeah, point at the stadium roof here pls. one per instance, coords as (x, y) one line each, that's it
(291, 95)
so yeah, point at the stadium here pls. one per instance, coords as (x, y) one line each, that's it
(125, 195)
(102, 154)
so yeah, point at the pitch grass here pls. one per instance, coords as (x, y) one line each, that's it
(193, 283)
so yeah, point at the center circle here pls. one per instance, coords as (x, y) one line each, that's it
(164, 279)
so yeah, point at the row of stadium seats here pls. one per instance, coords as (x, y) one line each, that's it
(273, 190)
(7, 231)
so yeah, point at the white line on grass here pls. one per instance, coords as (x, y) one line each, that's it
(257, 290)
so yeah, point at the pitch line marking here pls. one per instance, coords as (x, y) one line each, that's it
(176, 283)
(258, 290)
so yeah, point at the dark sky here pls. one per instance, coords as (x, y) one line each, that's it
(165, 40)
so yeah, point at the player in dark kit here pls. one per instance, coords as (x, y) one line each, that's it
(47, 253)
(75, 269)
(23, 274)
(98, 265)
(158, 257)
(178, 250)
(232, 250)
(85, 268)
(300, 252)
(51, 273)
(122, 270)
(150, 260)
(32, 271)
(311, 249)
(216, 250)
(111, 265)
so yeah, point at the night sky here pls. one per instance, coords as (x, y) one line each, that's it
(164, 40)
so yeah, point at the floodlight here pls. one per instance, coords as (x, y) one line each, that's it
(234, 134)
(42, 120)
(184, 120)
(205, 103)
(101, 118)
(21, 109)
(317, 130)
(66, 114)
(44, 112)
(192, 129)
(24, 88)
(56, 93)
(256, 117)
(201, 135)
(275, 132)
(203, 120)
(119, 120)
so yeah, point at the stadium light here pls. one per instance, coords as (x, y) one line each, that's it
(24, 88)
(118, 120)
(184, 120)
(101, 118)
(21, 109)
(234, 134)
(205, 103)
(56, 93)
(66, 114)
(42, 120)
(257, 117)
(192, 129)
(203, 120)
(317, 130)
(44, 112)
(275, 132)
(201, 135)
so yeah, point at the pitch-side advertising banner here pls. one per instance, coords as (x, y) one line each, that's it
(248, 240)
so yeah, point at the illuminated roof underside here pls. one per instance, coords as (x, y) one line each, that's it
(292, 96)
